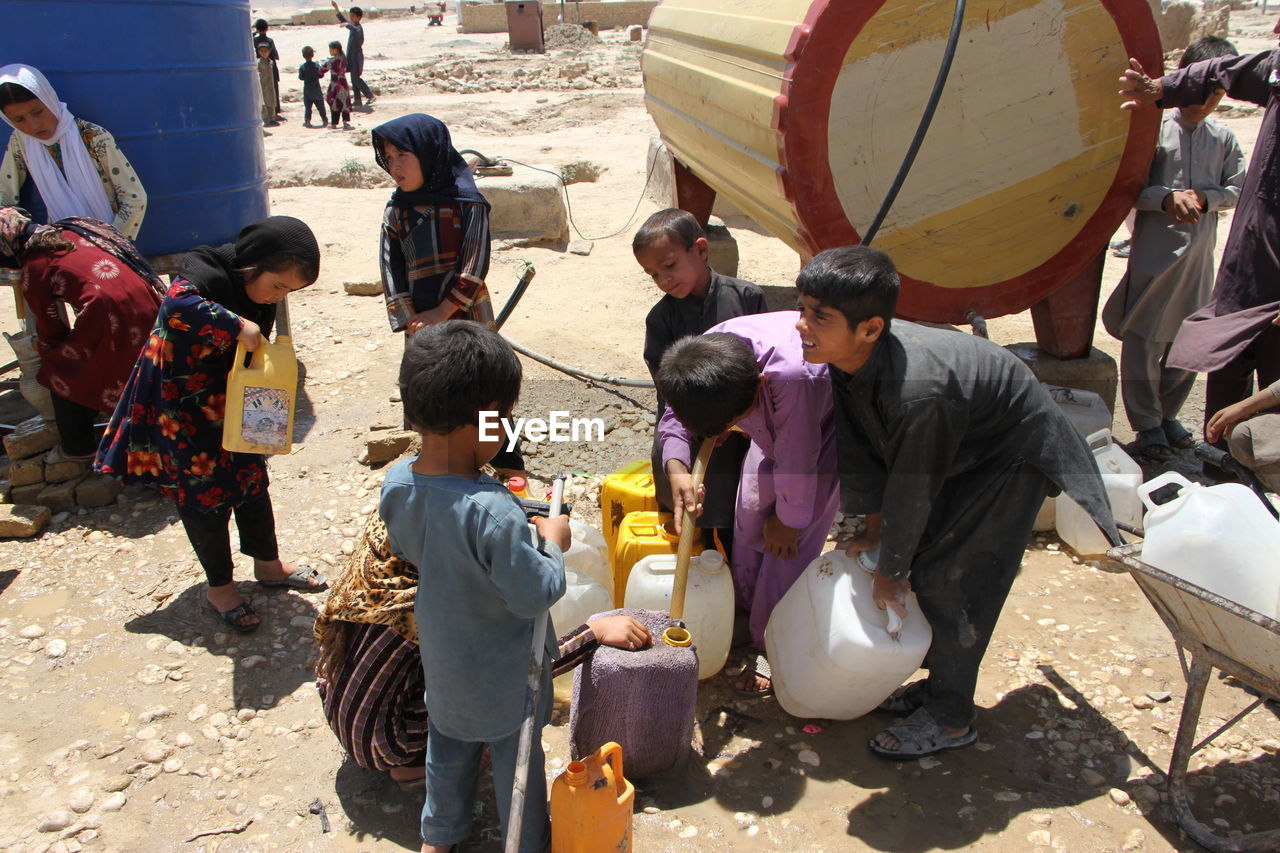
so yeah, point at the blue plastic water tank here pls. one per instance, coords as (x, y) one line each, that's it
(175, 83)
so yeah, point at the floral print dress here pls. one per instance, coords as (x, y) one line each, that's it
(167, 428)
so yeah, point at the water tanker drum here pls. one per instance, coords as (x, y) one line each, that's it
(800, 113)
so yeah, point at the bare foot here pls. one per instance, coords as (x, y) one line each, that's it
(751, 682)
(408, 774)
(227, 597)
(276, 570)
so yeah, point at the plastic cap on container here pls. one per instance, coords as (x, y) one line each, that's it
(516, 484)
(869, 560)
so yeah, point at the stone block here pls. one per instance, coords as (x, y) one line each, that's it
(64, 471)
(97, 490)
(635, 32)
(527, 207)
(581, 247)
(34, 435)
(59, 497)
(21, 522)
(387, 446)
(22, 495)
(1095, 372)
(723, 254)
(662, 183)
(363, 288)
(24, 472)
(5, 462)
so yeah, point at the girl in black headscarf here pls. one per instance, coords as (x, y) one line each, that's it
(435, 232)
(167, 428)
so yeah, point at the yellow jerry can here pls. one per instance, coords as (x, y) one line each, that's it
(262, 396)
(629, 489)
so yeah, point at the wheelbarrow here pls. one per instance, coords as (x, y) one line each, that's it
(1215, 633)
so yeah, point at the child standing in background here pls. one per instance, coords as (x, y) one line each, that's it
(481, 581)
(309, 73)
(260, 37)
(1198, 170)
(672, 249)
(268, 83)
(339, 94)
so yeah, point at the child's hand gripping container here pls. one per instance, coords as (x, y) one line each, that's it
(262, 395)
(591, 805)
(1220, 538)
(1121, 476)
(627, 490)
(834, 654)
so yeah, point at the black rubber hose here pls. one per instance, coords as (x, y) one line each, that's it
(930, 108)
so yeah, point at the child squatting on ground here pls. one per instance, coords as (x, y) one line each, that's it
(1198, 171)
(481, 581)
(672, 249)
(751, 372)
(948, 445)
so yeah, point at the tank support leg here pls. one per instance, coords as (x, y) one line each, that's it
(1064, 320)
(692, 193)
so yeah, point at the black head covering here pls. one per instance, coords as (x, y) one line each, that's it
(215, 270)
(446, 176)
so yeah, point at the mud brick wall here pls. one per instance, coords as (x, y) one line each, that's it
(27, 481)
(492, 17)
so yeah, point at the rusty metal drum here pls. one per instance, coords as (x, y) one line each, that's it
(800, 111)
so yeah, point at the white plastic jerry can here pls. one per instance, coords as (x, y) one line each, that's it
(708, 605)
(1121, 476)
(588, 555)
(1220, 538)
(582, 599)
(833, 653)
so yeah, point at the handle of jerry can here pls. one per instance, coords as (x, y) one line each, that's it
(255, 357)
(612, 753)
(1145, 490)
(894, 628)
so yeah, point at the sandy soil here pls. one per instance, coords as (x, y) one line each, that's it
(137, 724)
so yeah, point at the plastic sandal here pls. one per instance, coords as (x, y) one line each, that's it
(920, 735)
(905, 700)
(1153, 444)
(300, 579)
(1179, 436)
(233, 616)
(760, 667)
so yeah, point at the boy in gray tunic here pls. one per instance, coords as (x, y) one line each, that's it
(481, 581)
(948, 445)
(355, 52)
(1198, 171)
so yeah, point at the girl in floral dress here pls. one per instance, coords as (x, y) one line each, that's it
(167, 428)
(339, 94)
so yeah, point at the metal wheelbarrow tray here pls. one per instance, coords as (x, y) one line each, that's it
(1216, 633)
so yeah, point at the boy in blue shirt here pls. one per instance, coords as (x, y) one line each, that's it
(482, 581)
(312, 95)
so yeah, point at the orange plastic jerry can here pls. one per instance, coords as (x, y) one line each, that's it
(262, 395)
(629, 489)
(591, 805)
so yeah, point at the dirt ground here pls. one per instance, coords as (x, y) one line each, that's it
(138, 725)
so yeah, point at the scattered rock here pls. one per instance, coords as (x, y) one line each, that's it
(1042, 819)
(808, 756)
(56, 821)
(363, 288)
(115, 784)
(1119, 797)
(1040, 838)
(183, 740)
(688, 832)
(32, 632)
(81, 800)
(1135, 839)
(1143, 703)
(153, 752)
(113, 803)
(56, 648)
(1092, 777)
(22, 521)
(928, 763)
(581, 247)
(1007, 796)
(1159, 695)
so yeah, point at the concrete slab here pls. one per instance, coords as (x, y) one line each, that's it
(527, 207)
(1096, 372)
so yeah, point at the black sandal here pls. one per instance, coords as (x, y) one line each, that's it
(233, 616)
(1179, 436)
(906, 699)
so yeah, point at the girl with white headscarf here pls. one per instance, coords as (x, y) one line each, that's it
(76, 166)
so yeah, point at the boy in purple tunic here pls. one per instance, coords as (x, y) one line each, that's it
(750, 373)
